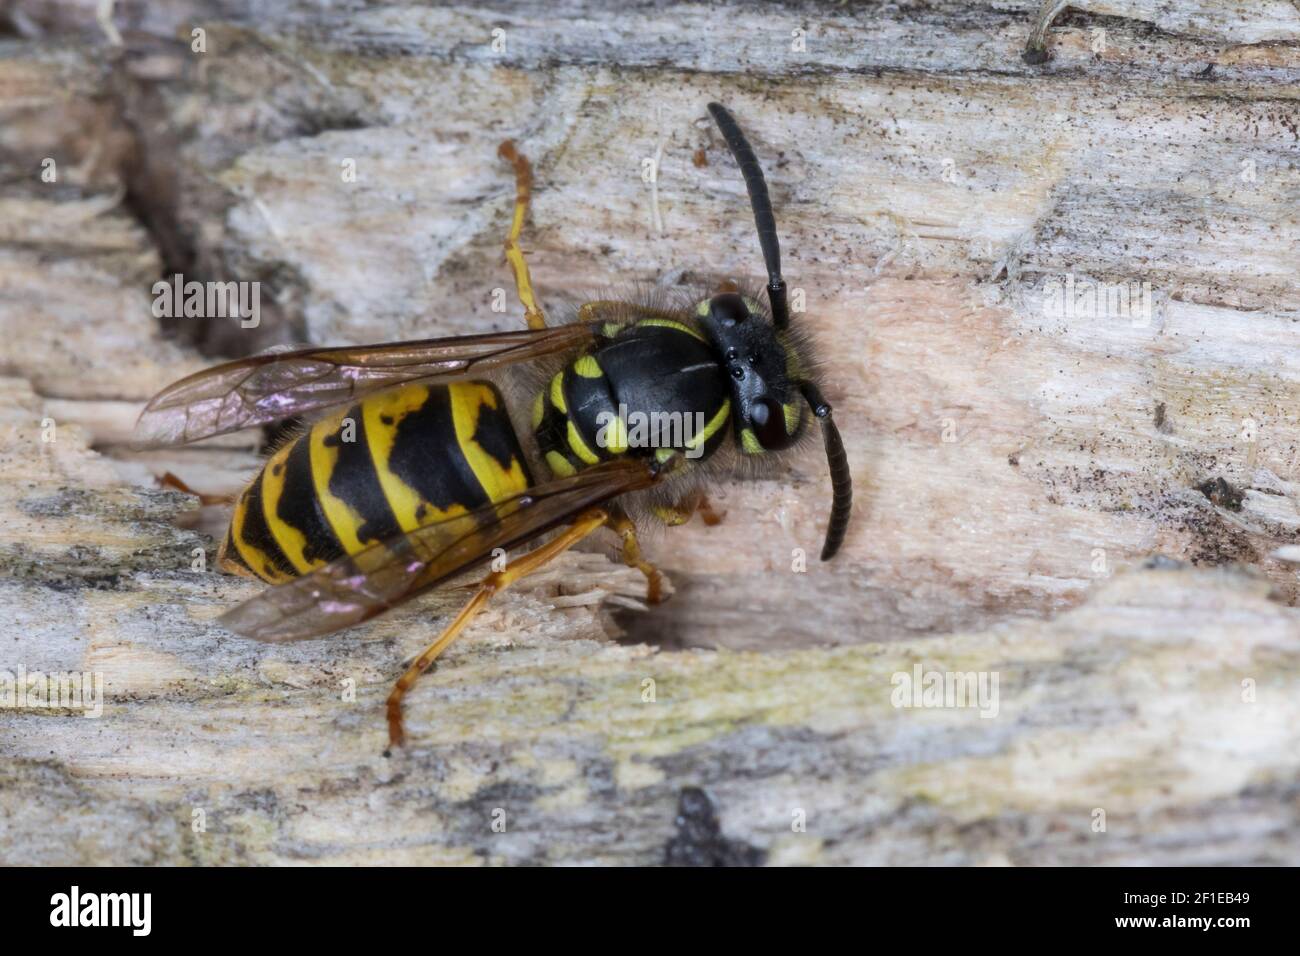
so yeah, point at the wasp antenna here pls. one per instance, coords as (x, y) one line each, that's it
(838, 463)
(762, 205)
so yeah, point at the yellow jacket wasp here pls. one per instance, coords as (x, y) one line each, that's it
(437, 452)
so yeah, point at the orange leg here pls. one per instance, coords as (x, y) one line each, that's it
(168, 480)
(684, 510)
(533, 314)
(709, 516)
(520, 567)
(626, 528)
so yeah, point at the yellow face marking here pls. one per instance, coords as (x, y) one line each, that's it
(749, 442)
(580, 447)
(291, 541)
(702, 307)
(539, 409)
(716, 422)
(557, 393)
(588, 367)
(324, 459)
(559, 465)
(793, 416)
(253, 556)
(468, 399)
(672, 324)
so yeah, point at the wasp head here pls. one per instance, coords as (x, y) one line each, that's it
(768, 407)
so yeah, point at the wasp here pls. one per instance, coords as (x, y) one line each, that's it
(428, 456)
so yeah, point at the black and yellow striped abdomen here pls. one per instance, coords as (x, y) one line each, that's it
(394, 462)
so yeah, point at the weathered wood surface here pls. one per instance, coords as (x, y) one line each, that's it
(1010, 462)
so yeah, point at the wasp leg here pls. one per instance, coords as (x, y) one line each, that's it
(168, 480)
(684, 510)
(533, 314)
(626, 528)
(497, 581)
(709, 516)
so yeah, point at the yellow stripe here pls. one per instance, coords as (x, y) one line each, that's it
(229, 561)
(539, 409)
(749, 442)
(408, 507)
(557, 393)
(588, 367)
(257, 560)
(559, 465)
(716, 422)
(580, 447)
(498, 483)
(793, 416)
(672, 324)
(324, 459)
(291, 541)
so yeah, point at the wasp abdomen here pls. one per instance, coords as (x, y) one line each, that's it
(396, 461)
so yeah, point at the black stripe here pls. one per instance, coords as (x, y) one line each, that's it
(427, 456)
(551, 433)
(256, 533)
(231, 553)
(299, 507)
(550, 430)
(496, 436)
(586, 398)
(355, 483)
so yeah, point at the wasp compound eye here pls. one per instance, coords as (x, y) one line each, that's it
(768, 421)
(728, 309)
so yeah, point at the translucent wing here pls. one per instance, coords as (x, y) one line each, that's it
(266, 388)
(356, 588)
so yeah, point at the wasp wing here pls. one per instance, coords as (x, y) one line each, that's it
(355, 588)
(266, 388)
